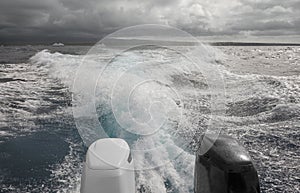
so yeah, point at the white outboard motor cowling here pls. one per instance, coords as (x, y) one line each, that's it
(108, 168)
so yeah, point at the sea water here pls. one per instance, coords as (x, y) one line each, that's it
(41, 150)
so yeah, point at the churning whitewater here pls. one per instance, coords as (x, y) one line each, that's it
(173, 96)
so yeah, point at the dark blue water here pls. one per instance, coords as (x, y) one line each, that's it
(40, 149)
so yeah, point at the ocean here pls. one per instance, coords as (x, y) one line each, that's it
(41, 149)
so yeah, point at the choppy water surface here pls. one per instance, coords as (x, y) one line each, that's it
(41, 150)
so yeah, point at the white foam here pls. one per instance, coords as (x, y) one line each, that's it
(159, 65)
(240, 87)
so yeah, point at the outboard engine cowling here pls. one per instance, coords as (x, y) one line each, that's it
(108, 168)
(225, 168)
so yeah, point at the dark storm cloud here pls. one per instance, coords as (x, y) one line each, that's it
(266, 18)
(89, 20)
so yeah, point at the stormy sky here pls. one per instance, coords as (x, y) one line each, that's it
(46, 21)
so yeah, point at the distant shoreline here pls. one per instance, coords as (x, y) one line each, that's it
(252, 44)
(209, 43)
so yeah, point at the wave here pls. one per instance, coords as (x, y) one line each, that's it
(163, 87)
(180, 89)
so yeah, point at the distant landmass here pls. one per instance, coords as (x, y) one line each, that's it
(252, 44)
(172, 43)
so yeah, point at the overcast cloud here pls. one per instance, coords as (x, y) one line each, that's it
(89, 20)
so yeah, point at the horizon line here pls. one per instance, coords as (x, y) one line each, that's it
(213, 43)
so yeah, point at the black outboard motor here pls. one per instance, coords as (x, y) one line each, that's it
(225, 168)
